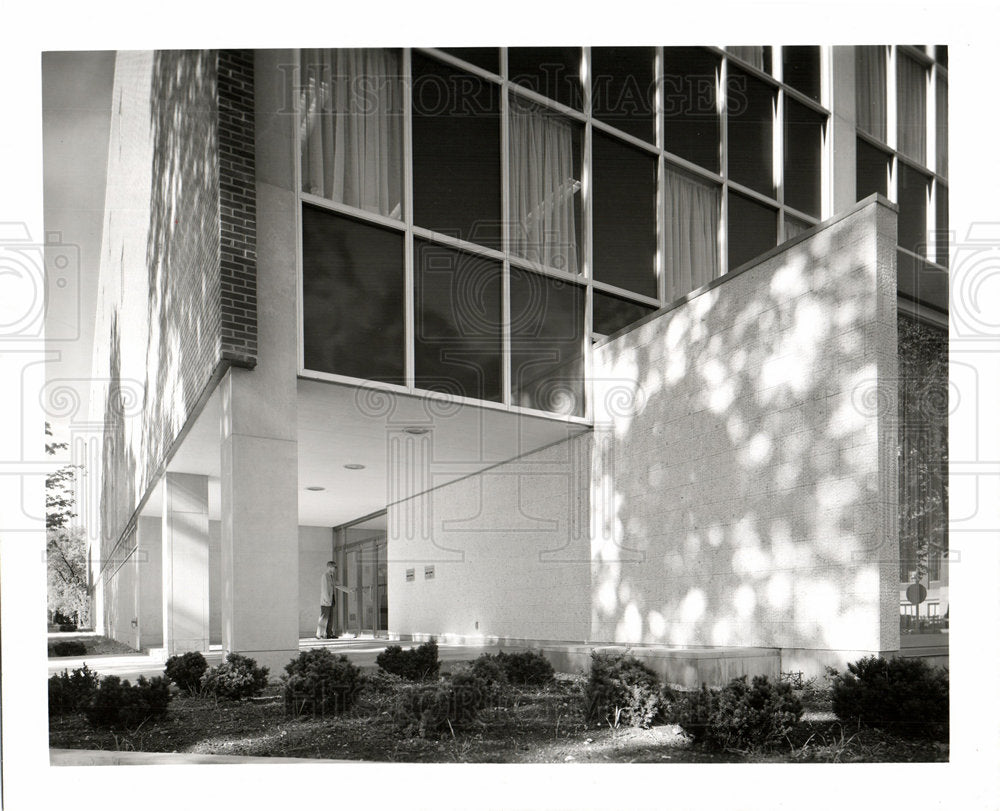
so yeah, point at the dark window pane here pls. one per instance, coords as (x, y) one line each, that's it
(352, 297)
(941, 54)
(941, 224)
(612, 313)
(457, 334)
(623, 89)
(753, 229)
(691, 116)
(624, 216)
(941, 125)
(800, 68)
(794, 226)
(872, 170)
(485, 58)
(912, 188)
(870, 88)
(911, 106)
(553, 72)
(803, 153)
(546, 343)
(456, 152)
(757, 55)
(750, 109)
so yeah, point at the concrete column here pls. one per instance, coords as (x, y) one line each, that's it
(260, 548)
(185, 562)
(150, 564)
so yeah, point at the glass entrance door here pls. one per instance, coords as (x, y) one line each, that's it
(368, 605)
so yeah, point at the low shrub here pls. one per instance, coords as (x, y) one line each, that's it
(71, 691)
(67, 649)
(489, 668)
(745, 716)
(905, 696)
(415, 664)
(320, 683)
(526, 667)
(236, 678)
(116, 703)
(185, 670)
(429, 709)
(621, 691)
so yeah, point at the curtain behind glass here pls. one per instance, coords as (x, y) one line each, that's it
(692, 234)
(870, 87)
(911, 96)
(352, 128)
(543, 189)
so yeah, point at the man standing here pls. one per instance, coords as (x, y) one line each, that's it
(328, 589)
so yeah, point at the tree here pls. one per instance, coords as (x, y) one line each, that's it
(65, 546)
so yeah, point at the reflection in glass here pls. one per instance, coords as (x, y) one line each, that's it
(458, 311)
(624, 216)
(352, 297)
(546, 343)
(456, 152)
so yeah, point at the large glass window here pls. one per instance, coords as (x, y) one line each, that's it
(800, 69)
(803, 157)
(612, 313)
(547, 333)
(553, 72)
(458, 328)
(546, 164)
(759, 56)
(941, 125)
(352, 128)
(872, 170)
(751, 106)
(456, 153)
(753, 229)
(913, 189)
(911, 102)
(623, 89)
(485, 58)
(690, 105)
(352, 297)
(624, 215)
(870, 70)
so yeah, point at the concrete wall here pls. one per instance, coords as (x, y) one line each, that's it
(150, 583)
(215, 582)
(745, 471)
(510, 549)
(315, 549)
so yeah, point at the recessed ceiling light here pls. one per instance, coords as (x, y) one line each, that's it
(315, 489)
(355, 467)
(416, 430)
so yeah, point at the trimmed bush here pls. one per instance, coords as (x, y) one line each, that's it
(526, 667)
(740, 716)
(185, 670)
(236, 678)
(319, 683)
(621, 691)
(117, 703)
(71, 692)
(905, 696)
(67, 649)
(490, 669)
(429, 709)
(415, 664)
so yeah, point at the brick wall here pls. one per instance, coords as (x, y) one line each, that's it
(177, 301)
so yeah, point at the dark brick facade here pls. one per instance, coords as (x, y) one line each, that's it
(238, 208)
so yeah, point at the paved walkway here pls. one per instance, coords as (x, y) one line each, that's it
(101, 757)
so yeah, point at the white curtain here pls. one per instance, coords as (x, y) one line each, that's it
(752, 54)
(352, 128)
(870, 89)
(543, 190)
(911, 97)
(692, 233)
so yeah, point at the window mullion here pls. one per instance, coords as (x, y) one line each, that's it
(409, 368)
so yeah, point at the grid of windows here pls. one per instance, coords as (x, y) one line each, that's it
(605, 182)
(908, 161)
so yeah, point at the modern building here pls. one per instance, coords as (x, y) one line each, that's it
(562, 347)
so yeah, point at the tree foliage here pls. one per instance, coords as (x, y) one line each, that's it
(65, 546)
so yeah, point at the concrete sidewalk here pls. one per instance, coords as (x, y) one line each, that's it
(102, 757)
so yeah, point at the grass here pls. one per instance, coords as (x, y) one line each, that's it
(96, 645)
(532, 725)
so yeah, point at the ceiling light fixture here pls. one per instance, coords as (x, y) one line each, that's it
(315, 489)
(355, 467)
(416, 430)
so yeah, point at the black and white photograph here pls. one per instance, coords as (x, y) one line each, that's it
(573, 417)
